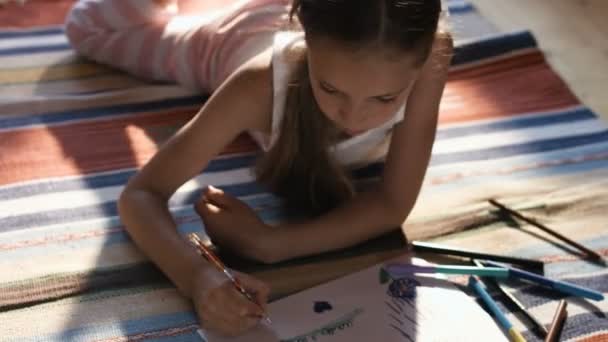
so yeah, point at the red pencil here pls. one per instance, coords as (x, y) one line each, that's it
(558, 322)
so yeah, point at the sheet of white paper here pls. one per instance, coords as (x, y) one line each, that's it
(359, 307)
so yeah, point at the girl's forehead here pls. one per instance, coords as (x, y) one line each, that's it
(342, 64)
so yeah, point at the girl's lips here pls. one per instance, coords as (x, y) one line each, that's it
(353, 133)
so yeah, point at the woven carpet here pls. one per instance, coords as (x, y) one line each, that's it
(72, 133)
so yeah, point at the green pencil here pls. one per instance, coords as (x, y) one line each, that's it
(403, 269)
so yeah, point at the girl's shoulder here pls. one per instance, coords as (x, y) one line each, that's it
(251, 83)
(261, 70)
(262, 80)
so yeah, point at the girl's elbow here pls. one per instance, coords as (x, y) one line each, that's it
(127, 205)
(124, 204)
(396, 211)
(397, 217)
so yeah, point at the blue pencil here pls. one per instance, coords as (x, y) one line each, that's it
(559, 285)
(476, 286)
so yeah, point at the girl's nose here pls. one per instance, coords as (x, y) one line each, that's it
(349, 112)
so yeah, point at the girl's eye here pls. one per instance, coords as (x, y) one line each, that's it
(327, 88)
(386, 99)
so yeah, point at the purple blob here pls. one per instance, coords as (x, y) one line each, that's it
(322, 306)
(404, 288)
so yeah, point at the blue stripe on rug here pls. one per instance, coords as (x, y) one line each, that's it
(34, 49)
(549, 160)
(109, 209)
(473, 182)
(122, 328)
(70, 184)
(519, 149)
(517, 122)
(37, 32)
(493, 46)
(460, 8)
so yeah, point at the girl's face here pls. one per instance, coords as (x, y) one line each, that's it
(358, 90)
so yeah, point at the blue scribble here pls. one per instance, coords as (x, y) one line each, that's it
(402, 332)
(398, 312)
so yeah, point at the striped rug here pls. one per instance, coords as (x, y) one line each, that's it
(73, 132)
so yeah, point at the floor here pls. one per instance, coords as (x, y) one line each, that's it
(572, 33)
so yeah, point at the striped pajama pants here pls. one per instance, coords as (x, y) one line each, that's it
(153, 40)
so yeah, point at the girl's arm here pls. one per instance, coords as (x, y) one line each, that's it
(242, 103)
(375, 212)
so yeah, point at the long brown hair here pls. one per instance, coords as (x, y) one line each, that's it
(300, 166)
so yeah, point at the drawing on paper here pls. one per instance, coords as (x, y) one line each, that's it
(399, 319)
(330, 329)
(322, 306)
(404, 288)
(400, 292)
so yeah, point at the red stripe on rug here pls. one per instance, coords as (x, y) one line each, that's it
(509, 86)
(34, 13)
(92, 146)
(601, 336)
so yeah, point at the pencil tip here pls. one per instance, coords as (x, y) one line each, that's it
(597, 259)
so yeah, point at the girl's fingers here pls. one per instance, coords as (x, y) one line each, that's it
(256, 287)
(237, 304)
(220, 315)
(220, 198)
(205, 209)
(237, 311)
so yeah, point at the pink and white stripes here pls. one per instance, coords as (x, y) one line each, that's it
(155, 41)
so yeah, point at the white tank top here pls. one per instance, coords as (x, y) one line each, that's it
(359, 150)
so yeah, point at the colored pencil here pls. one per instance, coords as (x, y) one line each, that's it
(591, 253)
(476, 285)
(418, 246)
(404, 269)
(558, 285)
(558, 322)
(540, 328)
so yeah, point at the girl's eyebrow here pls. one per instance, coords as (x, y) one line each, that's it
(390, 94)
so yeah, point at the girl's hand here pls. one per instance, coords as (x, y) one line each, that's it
(222, 308)
(233, 224)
